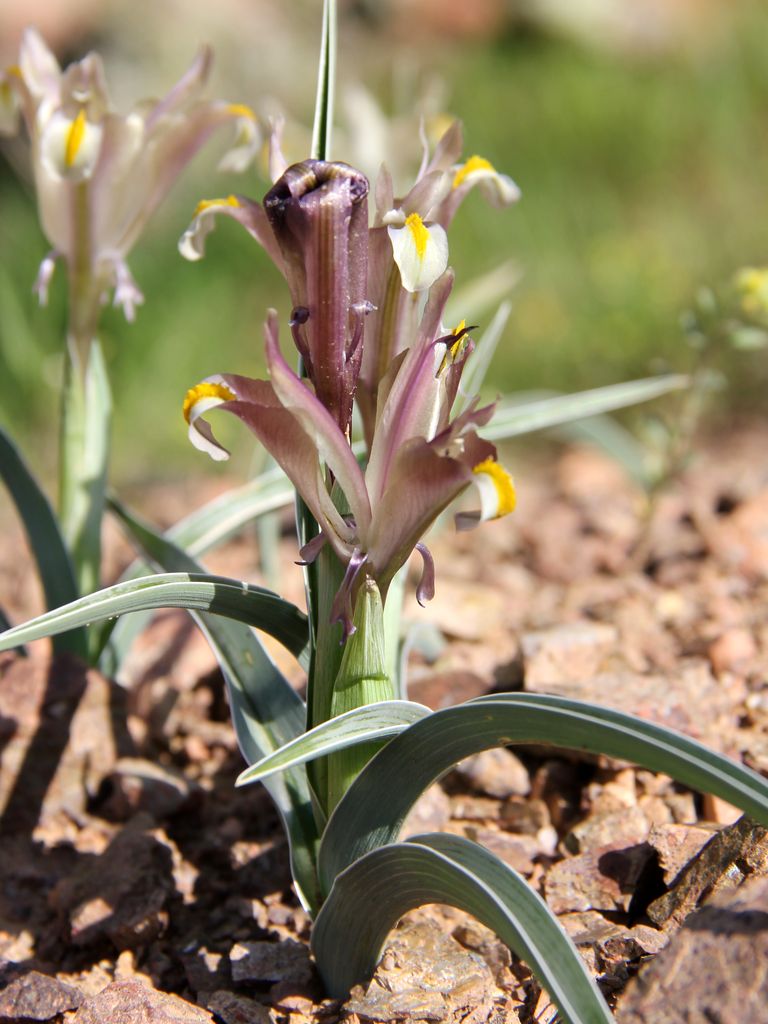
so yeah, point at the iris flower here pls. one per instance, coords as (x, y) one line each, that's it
(100, 175)
(419, 458)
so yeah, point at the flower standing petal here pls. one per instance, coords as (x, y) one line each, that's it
(100, 175)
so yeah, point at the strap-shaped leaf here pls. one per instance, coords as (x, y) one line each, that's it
(221, 518)
(513, 417)
(326, 78)
(216, 594)
(365, 724)
(266, 711)
(376, 804)
(54, 565)
(368, 898)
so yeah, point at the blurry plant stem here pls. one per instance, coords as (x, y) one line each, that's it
(681, 432)
(85, 412)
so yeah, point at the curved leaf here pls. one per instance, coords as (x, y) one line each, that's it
(54, 565)
(370, 722)
(376, 804)
(513, 417)
(373, 893)
(216, 594)
(266, 711)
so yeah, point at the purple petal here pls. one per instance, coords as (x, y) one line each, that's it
(342, 607)
(330, 444)
(425, 591)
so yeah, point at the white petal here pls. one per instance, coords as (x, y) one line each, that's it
(420, 251)
(70, 147)
(200, 400)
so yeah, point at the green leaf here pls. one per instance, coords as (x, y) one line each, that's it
(471, 301)
(376, 804)
(513, 417)
(478, 364)
(376, 722)
(216, 594)
(220, 519)
(326, 76)
(266, 711)
(367, 900)
(57, 574)
(86, 423)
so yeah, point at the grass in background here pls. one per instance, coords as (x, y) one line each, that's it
(641, 180)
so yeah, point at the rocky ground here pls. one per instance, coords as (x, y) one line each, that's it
(137, 885)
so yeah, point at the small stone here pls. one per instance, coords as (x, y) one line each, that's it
(601, 879)
(233, 1008)
(627, 827)
(677, 845)
(430, 813)
(138, 785)
(426, 975)
(516, 851)
(733, 651)
(36, 996)
(566, 653)
(121, 895)
(269, 962)
(526, 816)
(135, 1002)
(496, 772)
(733, 853)
(714, 968)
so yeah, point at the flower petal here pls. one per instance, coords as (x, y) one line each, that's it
(330, 444)
(245, 211)
(282, 434)
(497, 494)
(185, 90)
(420, 251)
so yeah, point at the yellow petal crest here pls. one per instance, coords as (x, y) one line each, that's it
(206, 204)
(208, 389)
(241, 110)
(419, 233)
(75, 137)
(475, 163)
(503, 485)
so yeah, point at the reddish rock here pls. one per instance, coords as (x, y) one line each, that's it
(36, 996)
(134, 1002)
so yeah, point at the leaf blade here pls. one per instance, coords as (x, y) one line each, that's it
(49, 550)
(370, 722)
(202, 592)
(513, 418)
(373, 809)
(372, 894)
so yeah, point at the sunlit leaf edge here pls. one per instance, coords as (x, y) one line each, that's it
(373, 809)
(369, 897)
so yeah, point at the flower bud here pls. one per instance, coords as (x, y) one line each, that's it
(319, 215)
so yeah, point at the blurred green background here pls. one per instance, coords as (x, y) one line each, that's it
(640, 145)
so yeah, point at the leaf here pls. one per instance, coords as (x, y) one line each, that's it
(54, 565)
(266, 711)
(477, 365)
(377, 721)
(513, 418)
(326, 76)
(200, 591)
(86, 422)
(376, 804)
(221, 518)
(368, 898)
